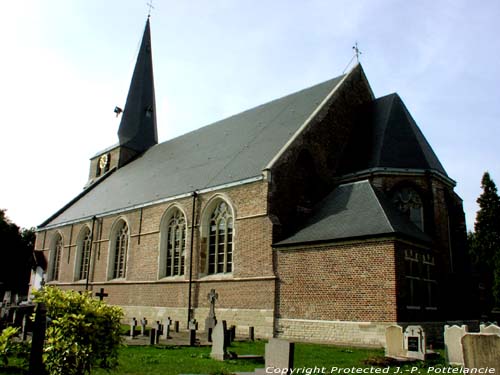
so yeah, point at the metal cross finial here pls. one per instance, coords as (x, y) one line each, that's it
(357, 52)
(150, 6)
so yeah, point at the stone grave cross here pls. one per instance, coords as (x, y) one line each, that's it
(101, 294)
(133, 324)
(212, 297)
(168, 323)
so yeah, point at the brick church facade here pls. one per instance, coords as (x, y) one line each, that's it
(324, 215)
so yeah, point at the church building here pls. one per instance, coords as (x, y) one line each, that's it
(323, 215)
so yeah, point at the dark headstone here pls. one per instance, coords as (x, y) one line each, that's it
(152, 336)
(192, 337)
(36, 366)
(176, 326)
(251, 333)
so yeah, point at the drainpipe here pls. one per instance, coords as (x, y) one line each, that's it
(191, 257)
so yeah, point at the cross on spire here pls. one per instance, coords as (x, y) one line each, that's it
(150, 6)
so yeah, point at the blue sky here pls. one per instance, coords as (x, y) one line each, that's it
(66, 64)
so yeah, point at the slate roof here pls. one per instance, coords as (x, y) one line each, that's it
(386, 136)
(137, 129)
(354, 210)
(230, 150)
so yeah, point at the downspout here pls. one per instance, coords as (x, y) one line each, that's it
(90, 255)
(191, 257)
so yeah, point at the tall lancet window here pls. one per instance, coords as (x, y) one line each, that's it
(409, 203)
(83, 254)
(55, 258)
(220, 240)
(120, 248)
(176, 244)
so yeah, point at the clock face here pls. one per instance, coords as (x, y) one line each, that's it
(103, 161)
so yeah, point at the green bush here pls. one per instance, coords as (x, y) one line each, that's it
(83, 332)
(8, 347)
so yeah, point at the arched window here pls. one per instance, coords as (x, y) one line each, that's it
(408, 201)
(173, 248)
(119, 247)
(220, 240)
(55, 257)
(83, 254)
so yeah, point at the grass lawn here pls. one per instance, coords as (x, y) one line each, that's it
(171, 360)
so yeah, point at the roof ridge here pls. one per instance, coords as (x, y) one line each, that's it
(388, 111)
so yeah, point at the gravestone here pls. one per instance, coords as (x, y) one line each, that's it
(211, 320)
(36, 365)
(133, 324)
(192, 326)
(279, 355)
(492, 328)
(453, 343)
(394, 342)
(168, 323)
(251, 333)
(144, 323)
(152, 336)
(232, 334)
(481, 351)
(219, 342)
(414, 342)
(159, 331)
(176, 326)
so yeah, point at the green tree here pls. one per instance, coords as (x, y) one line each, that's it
(16, 253)
(484, 243)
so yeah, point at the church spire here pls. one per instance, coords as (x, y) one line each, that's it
(137, 129)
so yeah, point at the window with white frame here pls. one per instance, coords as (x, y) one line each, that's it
(83, 254)
(173, 247)
(220, 239)
(120, 242)
(55, 258)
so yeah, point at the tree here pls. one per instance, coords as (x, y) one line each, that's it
(484, 243)
(16, 253)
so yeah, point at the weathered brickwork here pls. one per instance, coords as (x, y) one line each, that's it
(351, 282)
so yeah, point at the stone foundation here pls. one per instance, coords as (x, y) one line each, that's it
(370, 334)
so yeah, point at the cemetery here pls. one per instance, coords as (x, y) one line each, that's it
(219, 346)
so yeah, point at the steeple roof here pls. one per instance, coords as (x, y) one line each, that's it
(386, 136)
(138, 124)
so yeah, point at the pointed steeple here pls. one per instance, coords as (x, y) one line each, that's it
(138, 124)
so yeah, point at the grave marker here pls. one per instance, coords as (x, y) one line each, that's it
(394, 342)
(176, 326)
(219, 344)
(193, 326)
(453, 343)
(211, 320)
(251, 333)
(101, 294)
(133, 324)
(168, 322)
(144, 323)
(481, 351)
(414, 342)
(492, 328)
(279, 355)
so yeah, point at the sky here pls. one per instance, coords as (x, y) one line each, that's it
(66, 64)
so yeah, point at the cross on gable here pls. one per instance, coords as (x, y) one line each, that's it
(101, 294)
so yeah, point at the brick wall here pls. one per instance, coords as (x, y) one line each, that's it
(347, 282)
